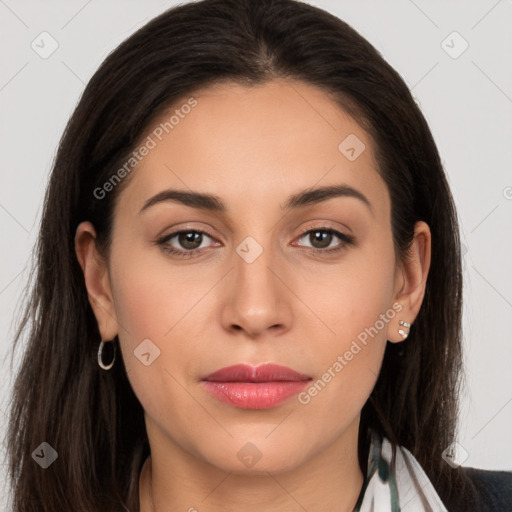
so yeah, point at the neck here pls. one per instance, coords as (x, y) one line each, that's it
(330, 480)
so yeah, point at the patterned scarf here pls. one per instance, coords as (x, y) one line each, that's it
(408, 489)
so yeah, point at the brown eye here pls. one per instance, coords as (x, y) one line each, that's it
(187, 243)
(322, 238)
(189, 239)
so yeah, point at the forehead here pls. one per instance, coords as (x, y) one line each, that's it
(266, 141)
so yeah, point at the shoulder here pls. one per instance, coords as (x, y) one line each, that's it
(494, 488)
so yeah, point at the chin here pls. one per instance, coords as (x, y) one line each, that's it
(250, 462)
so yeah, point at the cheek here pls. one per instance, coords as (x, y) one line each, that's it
(150, 296)
(348, 360)
(355, 307)
(161, 311)
(350, 297)
(150, 309)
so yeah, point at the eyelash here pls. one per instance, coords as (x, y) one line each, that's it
(346, 239)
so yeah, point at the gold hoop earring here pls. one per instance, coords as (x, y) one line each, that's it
(101, 364)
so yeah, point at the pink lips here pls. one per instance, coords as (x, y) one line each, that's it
(250, 387)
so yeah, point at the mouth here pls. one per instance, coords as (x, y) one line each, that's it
(255, 387)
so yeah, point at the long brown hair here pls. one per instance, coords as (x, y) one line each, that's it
(92, 418)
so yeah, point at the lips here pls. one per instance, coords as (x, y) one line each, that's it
(263, 373)
(249, 387)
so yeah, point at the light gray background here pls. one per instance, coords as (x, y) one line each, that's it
(466, 100)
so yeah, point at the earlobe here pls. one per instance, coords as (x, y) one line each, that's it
(410, 282)
(96, 277)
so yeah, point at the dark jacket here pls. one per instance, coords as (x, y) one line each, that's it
(494, 489)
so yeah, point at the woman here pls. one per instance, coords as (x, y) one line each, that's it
(248, 288)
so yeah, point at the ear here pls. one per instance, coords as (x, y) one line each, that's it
(97, 281)
(410, 282)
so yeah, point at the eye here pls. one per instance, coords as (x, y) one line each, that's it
(322, 237)
(190, 241)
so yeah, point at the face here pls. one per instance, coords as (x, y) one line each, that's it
(313, 285)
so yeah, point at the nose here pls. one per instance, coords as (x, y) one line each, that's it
(257, 297)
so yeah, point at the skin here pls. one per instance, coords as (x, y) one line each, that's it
(253, 147)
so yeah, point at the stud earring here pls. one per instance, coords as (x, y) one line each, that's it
(401, 331)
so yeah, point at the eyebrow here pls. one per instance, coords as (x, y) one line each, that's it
(214, 203)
